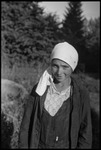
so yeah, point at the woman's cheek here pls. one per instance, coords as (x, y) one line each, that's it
(54, 70)
(67, 73)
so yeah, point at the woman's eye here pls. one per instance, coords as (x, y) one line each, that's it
(54, 67)
(65, 67)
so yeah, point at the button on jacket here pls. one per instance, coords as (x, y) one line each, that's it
(55, 129)
(80, 134)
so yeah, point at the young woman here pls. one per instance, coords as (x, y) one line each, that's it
(57, 114)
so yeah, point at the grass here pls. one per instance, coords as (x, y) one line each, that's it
(27, 76)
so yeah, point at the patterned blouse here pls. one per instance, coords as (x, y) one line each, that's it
(55, 99)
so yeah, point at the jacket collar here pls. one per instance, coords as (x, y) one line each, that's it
(74, 94)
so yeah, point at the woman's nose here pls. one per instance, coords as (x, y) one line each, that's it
(59, 71)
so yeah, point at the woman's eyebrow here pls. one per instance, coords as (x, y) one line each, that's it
(60, 65)
(65, 65)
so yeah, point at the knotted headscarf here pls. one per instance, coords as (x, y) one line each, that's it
(67, 53)
(63, 51)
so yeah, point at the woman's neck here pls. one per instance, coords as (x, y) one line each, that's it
(63, 85)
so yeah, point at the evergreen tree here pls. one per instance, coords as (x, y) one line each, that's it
(73, 27)
(52, 30)
(27, 34)
(92, 36)
(15, 17)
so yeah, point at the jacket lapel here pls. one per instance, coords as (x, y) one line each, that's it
(41, 102)
(75, 117)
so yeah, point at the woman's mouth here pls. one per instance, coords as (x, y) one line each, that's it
(59, 77)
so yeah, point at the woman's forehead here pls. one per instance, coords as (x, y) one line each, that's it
(60, 62)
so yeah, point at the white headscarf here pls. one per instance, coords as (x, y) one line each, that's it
(66, 52)
(63, 51)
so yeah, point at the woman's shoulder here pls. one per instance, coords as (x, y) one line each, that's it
(33, 93)
(78, 84)
(82, 90)
(76, 81)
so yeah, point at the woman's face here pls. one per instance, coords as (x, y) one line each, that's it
(60, 70)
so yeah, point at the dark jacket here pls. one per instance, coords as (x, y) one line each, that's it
(80, 119)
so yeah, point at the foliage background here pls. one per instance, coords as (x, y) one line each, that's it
(28, 36)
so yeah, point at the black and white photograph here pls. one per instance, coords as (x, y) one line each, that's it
(50, 74)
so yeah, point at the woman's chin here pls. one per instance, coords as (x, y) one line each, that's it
(58, 79)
